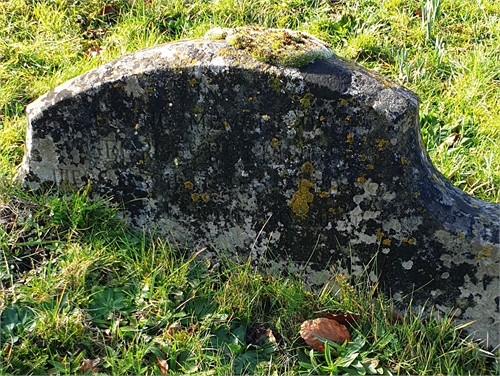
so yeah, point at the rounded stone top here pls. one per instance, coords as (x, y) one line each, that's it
(280, 47)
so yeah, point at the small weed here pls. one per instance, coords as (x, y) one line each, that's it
(348, 358)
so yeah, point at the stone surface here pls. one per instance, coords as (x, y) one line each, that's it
(298, 168)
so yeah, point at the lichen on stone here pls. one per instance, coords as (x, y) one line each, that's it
(307, 168)
(280, 47)
(302, 198)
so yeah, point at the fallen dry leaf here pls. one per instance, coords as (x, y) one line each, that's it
(451, 139)
(174, 328)
(347, 319)
(324, 328)
(8, 348)
(258, 334)
(93, 51)
(94, 33)
(397, 317)
(107, 9)
(163, 365)
(89, 365)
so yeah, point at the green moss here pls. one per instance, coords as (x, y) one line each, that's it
(305, 101)
(196, 110)
(279, 47)
(381, 144)
(276, 84)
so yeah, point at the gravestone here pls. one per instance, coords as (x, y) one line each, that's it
(262, 142)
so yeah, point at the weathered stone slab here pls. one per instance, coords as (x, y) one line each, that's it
(290, 158)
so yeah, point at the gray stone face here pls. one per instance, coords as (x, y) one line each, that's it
(313, 166)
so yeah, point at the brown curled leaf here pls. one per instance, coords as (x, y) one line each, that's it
(324, 328)
(87, 365)
(257, 334)
(162, 365)
(107, 9)
(397, 318)
(93, 51)
(347, 319)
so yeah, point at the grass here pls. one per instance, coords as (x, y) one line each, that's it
(78, 288)
(82, 293)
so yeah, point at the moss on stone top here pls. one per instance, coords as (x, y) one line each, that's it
(281, 47)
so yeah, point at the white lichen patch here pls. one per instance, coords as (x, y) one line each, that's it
(363, 238)
(133, 88)
(281, 47)
(407, 264)
(483, 311)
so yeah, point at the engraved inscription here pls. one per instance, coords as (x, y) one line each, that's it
(68, 175)
(107, 148)
(111, 150)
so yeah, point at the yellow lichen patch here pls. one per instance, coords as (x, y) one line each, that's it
(226, 125)
(361, 179)
(386, 242)
(381, 144)
(379, 234)
(205, 197)
(302, 198)
(409, 240)
(405, 161)
(485, 253)
(307, 168)
(350, 138)
(462, 303)
(274, 143)
(217, 33)
(188, 185)
(192, 82)
(274, 46)
(195, 197)
(370, 167)
(305, 101)
(196, 110)
(324, 194)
